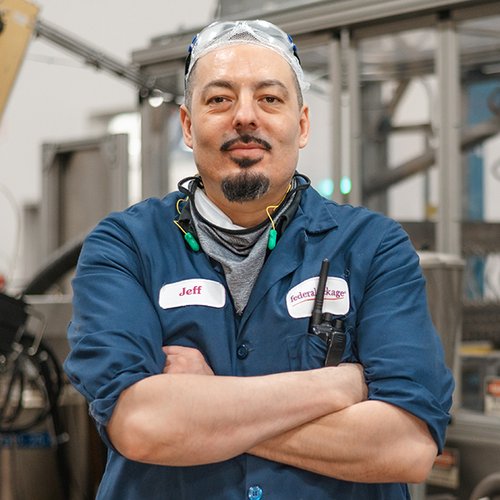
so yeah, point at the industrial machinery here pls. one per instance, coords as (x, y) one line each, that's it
(19, 21)
(30, 388)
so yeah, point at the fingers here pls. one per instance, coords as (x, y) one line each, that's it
(179, 349)
(182, 359)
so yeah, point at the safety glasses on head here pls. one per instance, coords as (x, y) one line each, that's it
(258, 32)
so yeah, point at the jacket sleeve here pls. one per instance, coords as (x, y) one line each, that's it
(115, 334)
(396, 340)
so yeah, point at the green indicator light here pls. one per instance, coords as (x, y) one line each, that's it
(326, 187)
(345, 185)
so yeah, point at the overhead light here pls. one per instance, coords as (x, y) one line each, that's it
(156, 98)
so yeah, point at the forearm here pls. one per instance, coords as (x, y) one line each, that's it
(368, 442)
(186, 419)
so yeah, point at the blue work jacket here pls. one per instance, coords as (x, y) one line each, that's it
(139, 287)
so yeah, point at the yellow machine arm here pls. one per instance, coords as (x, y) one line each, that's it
(17, 22)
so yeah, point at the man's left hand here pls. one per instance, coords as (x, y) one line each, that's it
(185, 360)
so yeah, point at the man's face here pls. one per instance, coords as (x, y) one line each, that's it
(244, 124)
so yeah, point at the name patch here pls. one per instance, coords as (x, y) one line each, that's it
(300, 299)
(193, 292)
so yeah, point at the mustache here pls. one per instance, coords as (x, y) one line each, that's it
(246, 139)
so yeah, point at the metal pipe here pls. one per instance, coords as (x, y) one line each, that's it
(448, 227)
(335, 76)
(471, 138)
(354, 91)
(94, 57)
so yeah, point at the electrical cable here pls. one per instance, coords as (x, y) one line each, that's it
(40, 371)
(7, 194)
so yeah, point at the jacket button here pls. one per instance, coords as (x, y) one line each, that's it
(255, 493)
(242, 351)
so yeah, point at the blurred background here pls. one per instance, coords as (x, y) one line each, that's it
(405, 109)
(59, 97)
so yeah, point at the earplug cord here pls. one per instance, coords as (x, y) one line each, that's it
(273, 234)
(195, 181)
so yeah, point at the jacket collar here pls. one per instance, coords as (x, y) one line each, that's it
(315, 213)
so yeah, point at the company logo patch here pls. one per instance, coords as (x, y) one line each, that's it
(193, 292)
(300, 299)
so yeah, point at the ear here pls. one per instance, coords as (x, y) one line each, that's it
(185, 117)
(304, 125)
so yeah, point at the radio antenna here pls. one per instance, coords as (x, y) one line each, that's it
(316, 317)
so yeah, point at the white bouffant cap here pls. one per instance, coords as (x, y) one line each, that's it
(223, 33)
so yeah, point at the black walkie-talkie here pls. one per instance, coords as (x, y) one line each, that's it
(325, 325)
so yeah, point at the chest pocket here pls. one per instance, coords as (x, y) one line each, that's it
(306, 351)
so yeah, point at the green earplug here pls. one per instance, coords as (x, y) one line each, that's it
(273, 236)
(191, 241)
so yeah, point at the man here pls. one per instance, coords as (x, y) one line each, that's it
(191, 336)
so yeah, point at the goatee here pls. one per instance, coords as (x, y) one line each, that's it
(245, 186)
